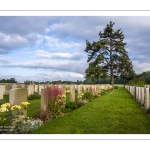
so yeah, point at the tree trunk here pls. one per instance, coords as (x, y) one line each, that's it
(112, 80)
(111, 69)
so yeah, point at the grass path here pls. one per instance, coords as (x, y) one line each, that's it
(113, 113)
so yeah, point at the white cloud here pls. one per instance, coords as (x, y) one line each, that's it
(140, 67)
(5, 60)
(15, 41)
(58, 44)
(63, 76)
(65, 65)
(59, 55)
(48, 75)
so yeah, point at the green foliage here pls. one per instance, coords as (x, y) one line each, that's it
(13, 120)
(138, 81)
(33, 110)
(71, 105)
(34, 96)
(148, 110)
(116, 87)
(27, 126)
(81, 103)
(145, 76)
(5, 99)
(11, 80)
(55, 102)
(66, 110)
(88, 95)
(108, 57)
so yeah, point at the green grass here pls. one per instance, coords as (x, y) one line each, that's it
(113, 113)
(33, 109)
(5, 99)
(68, 97)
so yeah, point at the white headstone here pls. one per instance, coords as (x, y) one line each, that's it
(72, 93)
(18, 95)
(146, 98)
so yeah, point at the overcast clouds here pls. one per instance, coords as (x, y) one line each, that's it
(52, 48)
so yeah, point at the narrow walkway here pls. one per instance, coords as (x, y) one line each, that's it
(114, 113)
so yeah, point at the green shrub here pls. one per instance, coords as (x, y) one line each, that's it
(139, 81)
(80, 103)
(5, 99)
(34, 96)
(55, 101)
(148, 110)
(88, 95)
(116, 87)
(66, 110)
(71, 105)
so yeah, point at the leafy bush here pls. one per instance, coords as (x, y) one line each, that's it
(90, 89)
(80, 97)
(66, 110)
(27, 126)
(88, 95)
(34, 96)
(55, 101)
(139, 81)
(13, 119)
(116, 87)
(96, 95)
(148, 110)
(81, 103)
(71, 105)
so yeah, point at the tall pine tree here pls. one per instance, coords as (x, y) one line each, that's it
(108, 57)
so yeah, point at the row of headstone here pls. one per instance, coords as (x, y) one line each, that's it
(19, 92)
(140, 94)
(5, 88)
(80, 89)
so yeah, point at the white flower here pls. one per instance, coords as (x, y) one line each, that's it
(3, 109)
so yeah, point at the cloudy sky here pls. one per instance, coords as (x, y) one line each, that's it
(50, 48)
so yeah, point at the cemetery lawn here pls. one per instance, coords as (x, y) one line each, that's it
(4, 100)
(33, 110)
(113, 113)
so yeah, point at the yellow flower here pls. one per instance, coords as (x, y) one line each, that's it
(4, 119)
(82, 94)
(80, 97)
(67, 91)
(15, 107)
(24, 103)
(6, 105)
(21, 117)
(63, 96)
(3, 109)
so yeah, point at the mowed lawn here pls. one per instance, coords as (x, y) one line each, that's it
(113, 113)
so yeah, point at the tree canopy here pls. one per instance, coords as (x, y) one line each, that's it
(107, 57)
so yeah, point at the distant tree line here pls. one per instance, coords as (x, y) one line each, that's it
(106, 81)
(11, 80)
(144, 77)
(53, 82)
